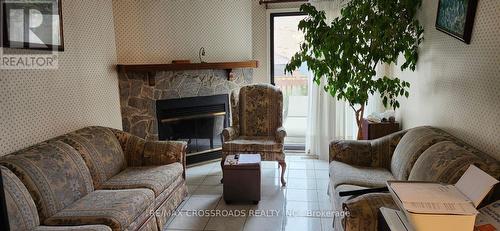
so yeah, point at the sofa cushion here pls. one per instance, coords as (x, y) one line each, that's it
(115, 208)
(54, 173)
(100, 149)
(444, 162)
(21, 208)
(411, 146)
(341, 173)
(253, 143)
(156, 178)
(178, 182)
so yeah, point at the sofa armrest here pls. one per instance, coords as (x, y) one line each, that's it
(383, 149)
(139, 152)
(362, 212)
(73, 228)
(230, 133)
(353, 152)
(280, 135)
(366, 153)
(164, 152)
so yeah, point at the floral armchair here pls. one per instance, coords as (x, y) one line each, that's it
(257, 117)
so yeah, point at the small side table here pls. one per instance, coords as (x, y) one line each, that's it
(242, 178)
(373, 130)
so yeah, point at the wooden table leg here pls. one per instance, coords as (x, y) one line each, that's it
(283, 168)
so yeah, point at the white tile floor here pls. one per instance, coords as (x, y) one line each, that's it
(302, 205)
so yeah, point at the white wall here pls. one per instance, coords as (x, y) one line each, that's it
(36, 105)
(457, 86)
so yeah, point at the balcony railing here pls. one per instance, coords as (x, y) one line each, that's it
(295, 89)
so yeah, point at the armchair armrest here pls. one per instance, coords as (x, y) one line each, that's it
(280, 135)
(139, 152)
(366, 153)
(230, 133)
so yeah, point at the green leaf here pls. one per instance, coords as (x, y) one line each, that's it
(345, 51)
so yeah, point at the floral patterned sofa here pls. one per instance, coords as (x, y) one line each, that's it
(418, 154)
(95, 178)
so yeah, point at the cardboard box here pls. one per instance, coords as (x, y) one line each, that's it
(431, 215)
(430, 206)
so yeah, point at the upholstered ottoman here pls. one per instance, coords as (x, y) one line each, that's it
(242, 178)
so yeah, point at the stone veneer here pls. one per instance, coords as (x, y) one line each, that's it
(140, 90)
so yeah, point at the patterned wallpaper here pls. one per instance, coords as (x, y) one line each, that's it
(457, 86)
(259, 41)
(230, 30)
(36, 105)
(152, 31)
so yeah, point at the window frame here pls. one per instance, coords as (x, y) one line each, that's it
(272, 16)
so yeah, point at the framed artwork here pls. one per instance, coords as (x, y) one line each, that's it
(32, 24)
(456, 18)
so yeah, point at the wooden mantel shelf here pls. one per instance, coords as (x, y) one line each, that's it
(228, 66)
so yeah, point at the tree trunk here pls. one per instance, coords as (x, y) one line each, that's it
(360, 131)
(359, 120)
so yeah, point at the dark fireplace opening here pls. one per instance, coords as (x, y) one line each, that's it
(199, 121)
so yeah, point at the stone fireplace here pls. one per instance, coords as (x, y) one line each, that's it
(140, 90)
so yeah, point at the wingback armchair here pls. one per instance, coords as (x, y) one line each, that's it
(257, 117)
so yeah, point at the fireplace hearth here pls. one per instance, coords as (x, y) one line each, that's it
(199, 121)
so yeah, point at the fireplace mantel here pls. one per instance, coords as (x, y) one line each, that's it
(228, 66)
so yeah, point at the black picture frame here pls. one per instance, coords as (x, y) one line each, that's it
(465, 19)
(7, 43)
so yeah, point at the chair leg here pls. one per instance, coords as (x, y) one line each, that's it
(222, 169)
(283, 168)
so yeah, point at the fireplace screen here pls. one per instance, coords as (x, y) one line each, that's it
(202, 132)
(199, 121)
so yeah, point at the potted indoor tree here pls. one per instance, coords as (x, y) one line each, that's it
(346, 52)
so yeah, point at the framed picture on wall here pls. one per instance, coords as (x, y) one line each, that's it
(32, 24)
(456, 18)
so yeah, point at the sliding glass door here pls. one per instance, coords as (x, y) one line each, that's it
(285, 40)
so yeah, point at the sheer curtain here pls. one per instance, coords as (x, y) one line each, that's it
(330, 119)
